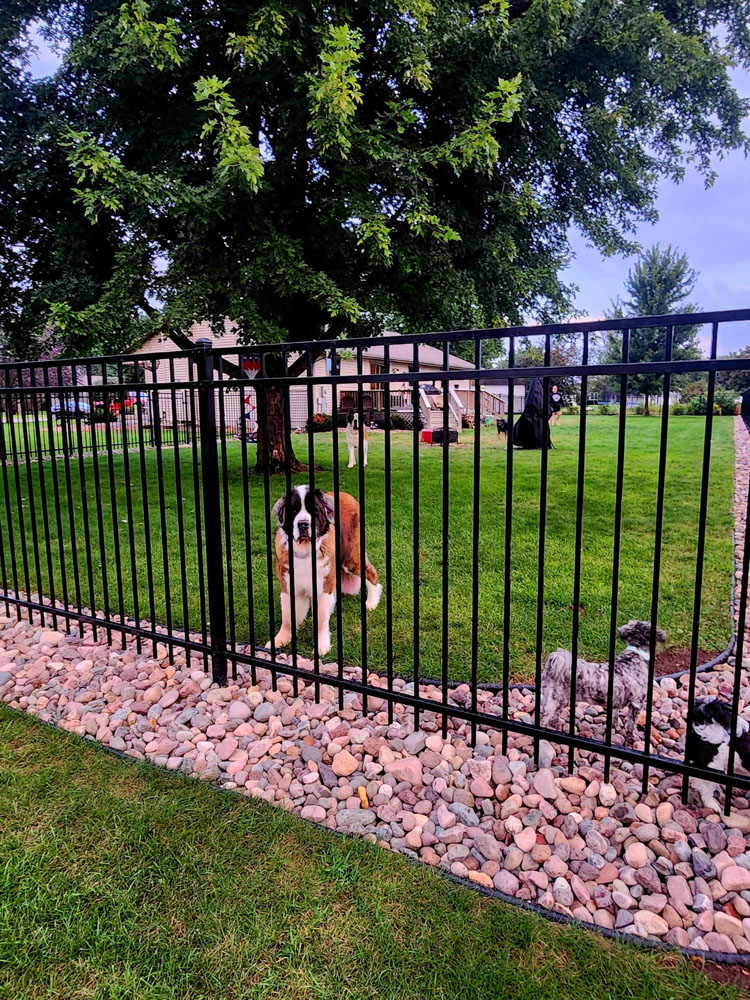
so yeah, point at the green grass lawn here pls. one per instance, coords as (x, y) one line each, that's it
(678, 556)
(122, 882)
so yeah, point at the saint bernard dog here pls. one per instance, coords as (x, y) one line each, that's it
(352, 438)
(295, 517)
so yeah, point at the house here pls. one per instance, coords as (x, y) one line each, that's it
(460, 391)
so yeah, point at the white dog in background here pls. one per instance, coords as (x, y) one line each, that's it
(352, 438)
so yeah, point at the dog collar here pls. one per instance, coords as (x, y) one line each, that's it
(642, 653)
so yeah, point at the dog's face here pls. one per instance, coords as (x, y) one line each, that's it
(638, 634)
(352, 419)
(296, 515)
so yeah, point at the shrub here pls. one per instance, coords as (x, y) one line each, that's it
(679, 409)
(724, 404)
(696, 406)
(726, 401)
(606, 410)
(571, 411)
(639, 410)
(320, 422)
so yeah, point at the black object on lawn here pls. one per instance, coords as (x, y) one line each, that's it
(531, 430)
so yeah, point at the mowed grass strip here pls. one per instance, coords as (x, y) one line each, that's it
(122, 881)
(161, 562)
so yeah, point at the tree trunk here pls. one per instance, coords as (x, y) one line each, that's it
(646, 411)
(270, 407)
(272, 428)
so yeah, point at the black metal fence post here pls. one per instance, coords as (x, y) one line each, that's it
(212, 512)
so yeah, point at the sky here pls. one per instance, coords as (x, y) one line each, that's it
(710, 225)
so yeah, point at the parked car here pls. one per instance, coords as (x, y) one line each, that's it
(72, 408)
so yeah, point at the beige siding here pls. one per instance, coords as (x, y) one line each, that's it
(160, 345)
(179, 370)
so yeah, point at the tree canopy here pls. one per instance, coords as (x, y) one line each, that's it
(308, 169)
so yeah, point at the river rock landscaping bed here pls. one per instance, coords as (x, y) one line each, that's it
(572, 843)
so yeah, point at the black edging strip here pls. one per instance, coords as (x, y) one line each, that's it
(647, 944)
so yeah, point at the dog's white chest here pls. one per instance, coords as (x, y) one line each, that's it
(303, 576)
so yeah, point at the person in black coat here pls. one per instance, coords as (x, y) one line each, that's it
(531, 430)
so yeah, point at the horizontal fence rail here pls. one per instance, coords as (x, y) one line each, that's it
(138, 495)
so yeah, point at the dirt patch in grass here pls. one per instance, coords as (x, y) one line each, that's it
(727, 975)
(675, 658)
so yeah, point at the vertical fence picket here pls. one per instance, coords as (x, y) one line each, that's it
(212, 513)
(362, 530)
(580, 487)
(289, 525)
(415, 523)
(444, 638)
(475, 513)
(616, 544)
(337, 528)
(700, 550)
(388, 533)
(538, 651)
(508, 561)
(658, 539)
(313, 522)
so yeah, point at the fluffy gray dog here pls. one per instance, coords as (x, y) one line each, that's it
(592, 679)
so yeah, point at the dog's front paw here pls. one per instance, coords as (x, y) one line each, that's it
(373, 596)
(712, 804)
(281, 640)
(324, 645)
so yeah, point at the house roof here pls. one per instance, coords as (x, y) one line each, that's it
(404, 353)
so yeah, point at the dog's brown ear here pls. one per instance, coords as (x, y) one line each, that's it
(324, 508)
(279, 509)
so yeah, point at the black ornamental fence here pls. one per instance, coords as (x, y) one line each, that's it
(133, 505)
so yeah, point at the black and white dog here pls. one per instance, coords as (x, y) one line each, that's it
(630, 680)
(708, 745)
(502, 430)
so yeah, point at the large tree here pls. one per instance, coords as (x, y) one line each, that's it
(309, 169)
(659, 283)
